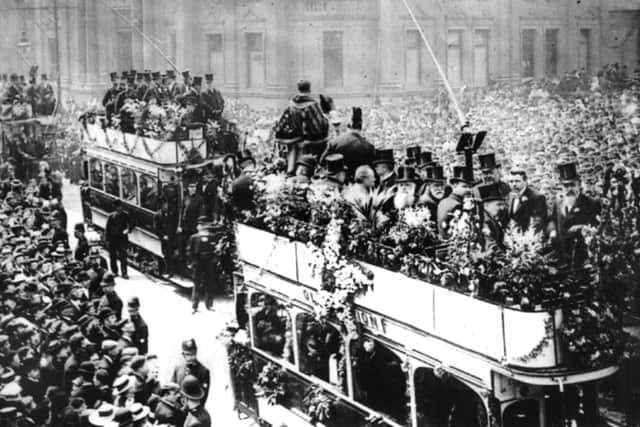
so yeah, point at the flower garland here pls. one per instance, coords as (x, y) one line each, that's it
(270, 384)
(544, 343)
(342, 280)
(319, 404)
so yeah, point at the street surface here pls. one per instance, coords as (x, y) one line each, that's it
(167, 310)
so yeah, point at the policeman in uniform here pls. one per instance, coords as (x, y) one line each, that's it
(141, 330)
(117, 237)
(192, 208)
(192, 366)
(201, 255)
(166, 224)
(209, 191)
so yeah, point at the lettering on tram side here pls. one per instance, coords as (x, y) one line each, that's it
(373, 322)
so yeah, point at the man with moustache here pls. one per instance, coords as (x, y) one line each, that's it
(433, 190)
(384, 166)
(571, 212)
(406, 183)
(526, 207)
(495, 209)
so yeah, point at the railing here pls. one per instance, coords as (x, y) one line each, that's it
(506, 335)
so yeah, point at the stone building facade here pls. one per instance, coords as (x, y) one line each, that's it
(359, 49)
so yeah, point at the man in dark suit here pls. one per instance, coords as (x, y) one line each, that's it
(527, 207)
(433, 190)
(192, 208)
(165, 223)
(192, 366)
(492, 173)
(212, 99)
(209, 191)
(495, 208)
(109, 99)
(352, 145)
(117, 238)
(141, 330)
(461, 184)
(571, 212)
(384, 165)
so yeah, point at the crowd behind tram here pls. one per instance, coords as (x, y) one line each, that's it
(35, 91)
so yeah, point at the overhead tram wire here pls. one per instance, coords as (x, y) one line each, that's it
(142, 33)
(452, 96)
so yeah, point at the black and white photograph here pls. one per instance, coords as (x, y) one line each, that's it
(319, 213)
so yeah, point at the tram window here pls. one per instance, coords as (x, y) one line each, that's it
(271, 326)
(129, 186)
(111, 180)
(379, 381)
(148, 192)
(445, 400)
(95, 167)
(320, 348)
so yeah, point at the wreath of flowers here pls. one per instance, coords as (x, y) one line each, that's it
(319, 404)
(270, 384)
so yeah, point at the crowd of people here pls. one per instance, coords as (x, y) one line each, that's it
(154, 104)
(71, 352)
(36, 92)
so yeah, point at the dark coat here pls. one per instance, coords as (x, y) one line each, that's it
(141, 334)
(242, 192)
(191, 210)
(112, 301)
(569, 244)
(388, 182)
(213, 102)
(531, 212)
(210, 198)
(82, 249)
(354, 147)
(117, 223)
(198, 417)
(493, 234)
(198, 370)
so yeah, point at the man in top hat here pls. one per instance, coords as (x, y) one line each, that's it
(171, 84)
(212, 99)
(141, 330)
(384, 164)
(116, 233)
(433, 190)
(127, 92)
(46, 97)
(336, 172)
(194, 397)
(109, 98)
(210, 193)
(242, 186)
(461, 186)
(492, 172)
(406, 185)
(413, 156)
(305, 170)
(571, 211)
(152, 87)
(180, 88)
(526, 207)
(302, 123)
(495, 208)
(201, 255)
(353, 146)
(191, 366)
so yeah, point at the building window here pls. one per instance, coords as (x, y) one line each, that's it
(413, 58)
(528, 52)
(454, 57)
(255, 60)
(125, 50)
(551, 52)
(215, 54)
(333, 59)
(584, 50)
(481, 57)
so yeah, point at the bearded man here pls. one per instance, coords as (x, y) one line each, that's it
(571, 212)
(433, 190)
(406, 184)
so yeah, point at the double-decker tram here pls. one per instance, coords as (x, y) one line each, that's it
(144, 173)
(426, 355)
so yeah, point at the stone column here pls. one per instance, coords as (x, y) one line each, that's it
(278, 47)
(231, 48)
(93, 46)
(390, 39)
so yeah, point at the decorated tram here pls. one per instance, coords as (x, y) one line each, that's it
(424, 355)
(143, 173)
